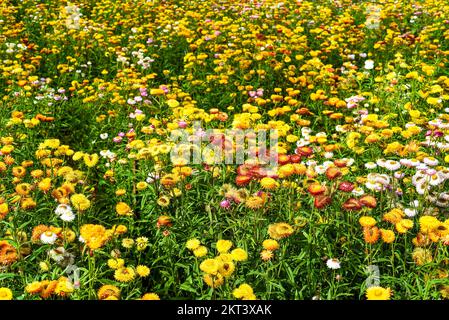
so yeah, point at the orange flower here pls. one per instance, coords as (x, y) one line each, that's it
(333, 173)
(368, 201)
(8, 254)
(371, 235)
(123, 209)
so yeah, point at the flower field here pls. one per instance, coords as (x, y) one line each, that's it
(223, 149)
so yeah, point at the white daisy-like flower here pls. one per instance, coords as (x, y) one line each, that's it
(67, 216)
(104, 136)
(399, 175)
(48, 237)
(381, 163)
(422, 167)
(405, 162)
(372, 185)
(430, 161)
(409, 212)
(328, 155)
(320, 169)
(435, 179)
(414, 162)
(392, 165)
(62, 209)
(370, 165)
(421, 188)
(358, 191)
(333, 264)
(369, 64)
(328, 164)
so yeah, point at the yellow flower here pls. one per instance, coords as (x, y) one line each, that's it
(90, 160)
(367, 222)
(243, 291)
(213, 281)
(404, 225)
(143, 271)
(163, 201)
(239, 254)
(150, 296)
(5, 294)
(280, 230)
(141, 185)
(378, 293)
(125, 274)
(116, 263)
(141, 243)
(80, 202)
(107, 291)
(387, 235)
(33, 287)
(226, 269)
(127, 243)
(270, 244)
(428, 224)
(210, 266)
(266, 255)
(157, 92)
(422, 256)
(123, 209)
(269, 183)
(199, 252)
(223, 246)
(192, 244)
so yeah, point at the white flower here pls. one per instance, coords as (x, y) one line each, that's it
(67, 216)
(358, 191)
(328, 155)
(48, 237)
(320, 169)
(381, 162)
(370, 165)
(333, 264)
(392, 165)
(62, 209)
(410, 212)
(369, 64)
(430, 161)
(104, 136)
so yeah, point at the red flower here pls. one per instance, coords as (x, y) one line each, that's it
(340, 163)
(283, 159)
(321, 201)
(242, 180)
(258, 172)
(352, 205)
(294, 158)
(346, 186)
(244, 170)
(368, 201)
(304, 151)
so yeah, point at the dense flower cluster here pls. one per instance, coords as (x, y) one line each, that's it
(101, 101)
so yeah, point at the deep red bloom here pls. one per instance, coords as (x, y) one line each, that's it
(346, 186)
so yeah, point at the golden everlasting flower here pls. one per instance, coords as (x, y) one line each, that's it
(378, 293)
